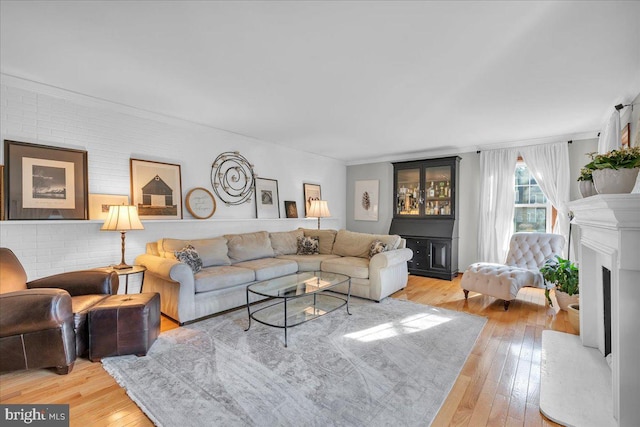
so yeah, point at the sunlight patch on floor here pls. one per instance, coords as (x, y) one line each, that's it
(408, 325)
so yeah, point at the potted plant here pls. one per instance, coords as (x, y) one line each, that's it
(613, 172)
(585, 179)
(563, 274)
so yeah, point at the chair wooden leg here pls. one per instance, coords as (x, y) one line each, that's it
(466, 294)
(506, 305)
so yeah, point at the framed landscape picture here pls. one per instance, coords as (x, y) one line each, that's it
(99, 204)
(311, 192)
(267, 199)
(156, 189)
(45, 182)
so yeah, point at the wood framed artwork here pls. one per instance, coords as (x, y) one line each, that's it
(1, 192)
(291, 209)
(200, 203)
(625, 136)
(365, 205)
(156, 189)
(311, 192)
(45, 182)
(267, 199)
(99, 204)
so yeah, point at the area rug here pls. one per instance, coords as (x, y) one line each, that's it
(389, 363)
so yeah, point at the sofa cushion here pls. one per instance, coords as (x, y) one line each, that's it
(352, 244)
(307, 246)
(189, 256)
(268, 268)
(212, 251)
(351, 266)
(221, 277)
(285, 242)
(248, 246)
(326, 238)
(308, 262)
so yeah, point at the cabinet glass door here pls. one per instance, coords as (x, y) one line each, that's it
(438, 191)
(408, 197)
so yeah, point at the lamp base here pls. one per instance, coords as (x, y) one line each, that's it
(121, 266)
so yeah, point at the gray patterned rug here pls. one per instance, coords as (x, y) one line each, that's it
(391, 363)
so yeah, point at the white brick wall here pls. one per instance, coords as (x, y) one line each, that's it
(112, 134)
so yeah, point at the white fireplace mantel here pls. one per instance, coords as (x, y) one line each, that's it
(610, 237)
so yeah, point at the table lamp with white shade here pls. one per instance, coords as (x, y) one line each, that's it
(122, 218)
(319, 209)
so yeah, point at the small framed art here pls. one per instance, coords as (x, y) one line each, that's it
(625, 134)
(99, 204)
(45, 182)
(291, 209)
(1, 192)
(156, 189)
(311, 192)
(365, 205)
(267, 199)
(200, 203)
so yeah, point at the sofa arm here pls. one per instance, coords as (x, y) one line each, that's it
(388, 272)
(33, 310)
(168, 269)
(175, 283)
(84, 282)
(389, 258)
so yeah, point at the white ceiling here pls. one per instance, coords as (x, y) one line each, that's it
(356, 81)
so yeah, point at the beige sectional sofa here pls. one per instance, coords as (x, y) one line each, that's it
(233, 261)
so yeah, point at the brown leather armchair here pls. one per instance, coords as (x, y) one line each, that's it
(43, 323)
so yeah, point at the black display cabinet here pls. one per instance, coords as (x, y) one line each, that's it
(425, 214)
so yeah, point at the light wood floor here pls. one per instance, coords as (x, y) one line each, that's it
(498, 386)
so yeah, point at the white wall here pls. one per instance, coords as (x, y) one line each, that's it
(112, 134)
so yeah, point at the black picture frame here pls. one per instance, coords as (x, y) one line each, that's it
(45, 182)
(291, 209)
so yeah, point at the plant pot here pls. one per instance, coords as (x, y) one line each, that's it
(587, 189)
(564, 299)
(573, 314)
(615, 181)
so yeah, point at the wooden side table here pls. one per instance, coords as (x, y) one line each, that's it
(126, 272)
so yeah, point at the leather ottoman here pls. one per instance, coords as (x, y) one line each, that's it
(124, 324)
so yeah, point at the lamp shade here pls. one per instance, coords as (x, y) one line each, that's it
(319, 209)
(122, 218)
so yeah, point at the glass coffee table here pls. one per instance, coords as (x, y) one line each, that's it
(300, 297)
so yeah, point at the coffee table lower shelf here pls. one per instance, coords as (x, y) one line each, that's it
(294, 310)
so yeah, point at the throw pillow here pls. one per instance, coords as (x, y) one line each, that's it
(189, 256)
(307, 246)
(376, 247)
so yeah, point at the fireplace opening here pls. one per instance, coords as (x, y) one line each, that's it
(606, 292)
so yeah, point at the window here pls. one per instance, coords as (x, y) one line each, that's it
(533, 212)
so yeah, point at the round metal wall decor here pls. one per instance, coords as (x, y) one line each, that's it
(232, 178)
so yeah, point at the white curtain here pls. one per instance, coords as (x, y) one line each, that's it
(497, 169)
(549, 165)
(610, 136)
